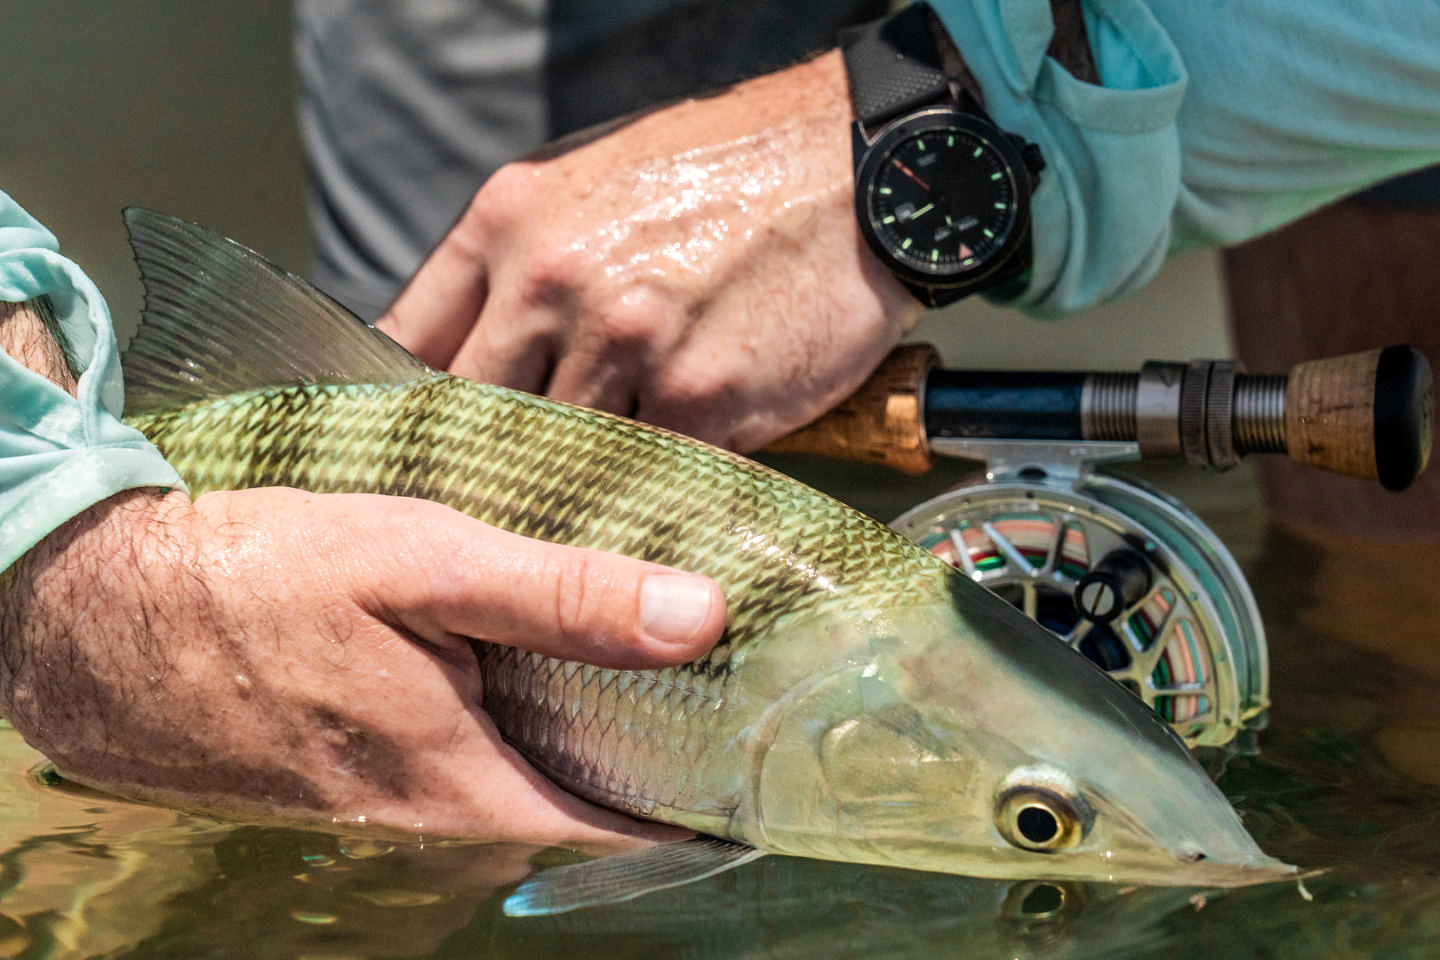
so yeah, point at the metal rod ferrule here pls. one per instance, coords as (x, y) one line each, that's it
(1205, 411)
(1260, 413)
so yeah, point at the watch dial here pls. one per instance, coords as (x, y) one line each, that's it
(943, 201)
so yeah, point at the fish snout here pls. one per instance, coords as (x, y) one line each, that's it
(1234, 868)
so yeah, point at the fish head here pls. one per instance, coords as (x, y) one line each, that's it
(962, 737)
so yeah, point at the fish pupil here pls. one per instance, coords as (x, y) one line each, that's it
(1037, 825)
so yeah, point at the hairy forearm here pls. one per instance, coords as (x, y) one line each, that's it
(25, 334)
(77, 609)
(55, 597)
(1070, 44)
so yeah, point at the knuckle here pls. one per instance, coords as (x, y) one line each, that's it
(688, 387)
(635, 317)
(503, 194)
(551, 273)
(573, 599)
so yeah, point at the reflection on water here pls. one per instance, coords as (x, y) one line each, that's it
(1347, 780)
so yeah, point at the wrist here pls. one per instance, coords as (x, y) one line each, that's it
(942, 193)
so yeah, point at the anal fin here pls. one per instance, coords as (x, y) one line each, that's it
(626, 876)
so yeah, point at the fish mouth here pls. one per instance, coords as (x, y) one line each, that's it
(1202, 872)
(1197, 870)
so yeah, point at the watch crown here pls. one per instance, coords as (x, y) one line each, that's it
(1034, 160)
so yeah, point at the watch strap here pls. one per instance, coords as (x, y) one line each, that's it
(894, 65)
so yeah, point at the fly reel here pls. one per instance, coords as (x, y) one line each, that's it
(1112, 566)
(1120, 571)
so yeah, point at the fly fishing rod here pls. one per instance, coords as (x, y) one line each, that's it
(1365, 414)
(1118, 569)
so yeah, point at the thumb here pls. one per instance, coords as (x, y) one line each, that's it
(453, 576)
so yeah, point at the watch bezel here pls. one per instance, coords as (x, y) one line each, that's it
(923, 121)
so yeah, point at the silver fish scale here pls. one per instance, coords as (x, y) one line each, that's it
(636, 740)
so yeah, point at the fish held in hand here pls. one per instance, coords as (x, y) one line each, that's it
(868, 702)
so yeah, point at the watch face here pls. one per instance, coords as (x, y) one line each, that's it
(941, 198)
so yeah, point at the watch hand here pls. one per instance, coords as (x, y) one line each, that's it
(921, 212)
(910, 173)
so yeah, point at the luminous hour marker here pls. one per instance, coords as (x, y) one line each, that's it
(888, 220)
(950, 140)
(920, 144)
(1001, 206)
(934, 255)
(996, 176)
(989, 234)
(977, 152)
(905, 244)
(886, 191)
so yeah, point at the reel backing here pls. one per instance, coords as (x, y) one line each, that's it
(1117, 569)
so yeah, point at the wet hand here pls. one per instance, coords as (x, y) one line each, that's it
(277, 654)
(698, 267)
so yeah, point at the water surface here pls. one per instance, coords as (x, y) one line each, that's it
(1347, 779)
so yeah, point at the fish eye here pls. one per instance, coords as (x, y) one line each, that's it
(1033, 818)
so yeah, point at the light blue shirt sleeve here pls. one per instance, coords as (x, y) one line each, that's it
(1215, 122)
(60, 454)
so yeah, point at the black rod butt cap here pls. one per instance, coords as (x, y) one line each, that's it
(1404, 407)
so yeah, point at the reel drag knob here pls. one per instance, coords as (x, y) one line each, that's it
(1119, 581)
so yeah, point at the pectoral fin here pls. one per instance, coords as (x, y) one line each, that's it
(625, 876)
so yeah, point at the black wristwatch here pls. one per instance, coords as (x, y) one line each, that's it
(942, 193)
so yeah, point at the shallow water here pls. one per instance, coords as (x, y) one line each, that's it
(1347, 780)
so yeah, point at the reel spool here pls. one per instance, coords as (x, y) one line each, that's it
(1123, 573)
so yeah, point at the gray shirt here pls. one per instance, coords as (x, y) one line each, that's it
(407, 106)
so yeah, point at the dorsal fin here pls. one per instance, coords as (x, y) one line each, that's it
(219, 318)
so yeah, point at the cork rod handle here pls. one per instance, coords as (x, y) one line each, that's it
(883, 422)
(1364, 415)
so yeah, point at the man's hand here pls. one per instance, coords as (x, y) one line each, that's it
(275, 653)
(698, 267)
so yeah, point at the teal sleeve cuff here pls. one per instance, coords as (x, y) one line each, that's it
(60, 454)
(1207, 129)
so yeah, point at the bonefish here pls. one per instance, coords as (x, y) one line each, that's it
(868, 702)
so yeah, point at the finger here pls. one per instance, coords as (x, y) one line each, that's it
(436, 735)
(608, 383)
(611, 351)
(509, 346)
(438, 307)
(499, 796)
(450, 576)
(703, 427)
(703, 405)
